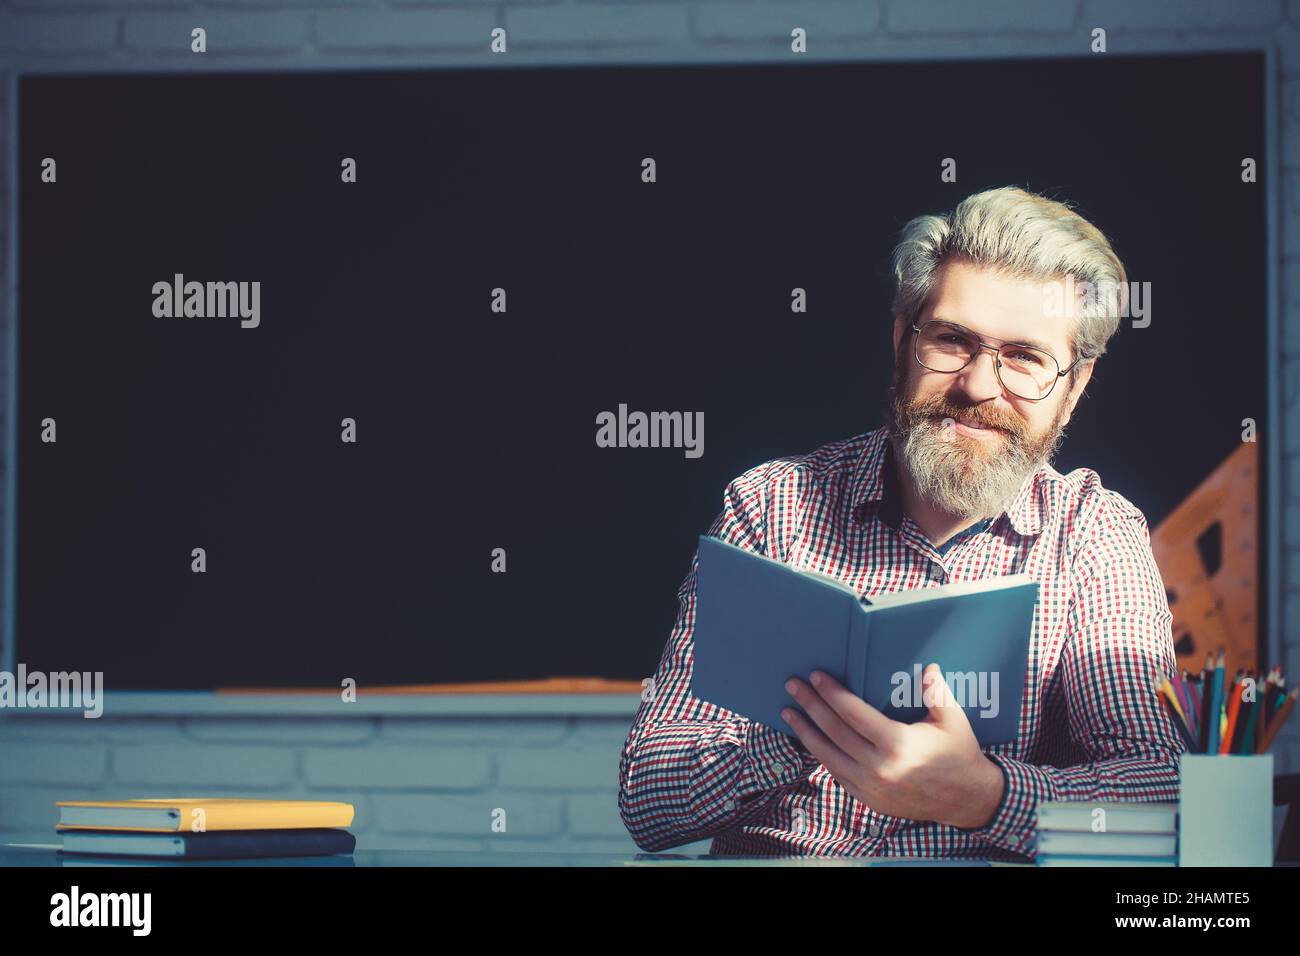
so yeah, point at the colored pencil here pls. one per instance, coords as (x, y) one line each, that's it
(1279, 719)
(1165, 691)
(1265, 708)
(1232, 705)
(1243, 711)
(1214, 717)
(1207, 682)
(1194, 695)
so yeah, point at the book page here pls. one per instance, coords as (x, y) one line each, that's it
(950, 590)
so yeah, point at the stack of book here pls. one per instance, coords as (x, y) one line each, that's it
(205, 827)
(1083, 833)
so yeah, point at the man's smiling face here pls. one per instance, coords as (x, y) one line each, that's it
(973, 464)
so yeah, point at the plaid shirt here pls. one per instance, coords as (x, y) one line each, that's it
(1091, 726)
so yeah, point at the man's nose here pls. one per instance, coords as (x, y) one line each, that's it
(979, 379)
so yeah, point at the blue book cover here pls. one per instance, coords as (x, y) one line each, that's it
(759, 622)
(212, 844)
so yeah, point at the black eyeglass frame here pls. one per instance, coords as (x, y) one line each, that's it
(997, 357)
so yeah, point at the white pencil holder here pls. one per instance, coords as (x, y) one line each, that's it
(1225, 810)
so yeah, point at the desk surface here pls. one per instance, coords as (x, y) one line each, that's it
(48, 854)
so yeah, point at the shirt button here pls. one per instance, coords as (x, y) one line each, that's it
(874, 830)
(729, 805)
(779, 769)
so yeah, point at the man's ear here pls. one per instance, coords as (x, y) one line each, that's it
(901, 325)
(1081, 382)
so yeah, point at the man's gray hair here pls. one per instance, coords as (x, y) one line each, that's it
(1023, 235)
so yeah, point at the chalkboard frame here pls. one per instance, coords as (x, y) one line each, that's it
(161, 702)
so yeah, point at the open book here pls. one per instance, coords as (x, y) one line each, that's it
(759, 622)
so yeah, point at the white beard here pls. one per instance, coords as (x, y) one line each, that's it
(953, 473)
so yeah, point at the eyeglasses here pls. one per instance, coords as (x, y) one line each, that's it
(1023, 370)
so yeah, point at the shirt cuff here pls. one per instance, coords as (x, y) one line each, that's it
(1012, 824)
(768, 759)
(771, 759)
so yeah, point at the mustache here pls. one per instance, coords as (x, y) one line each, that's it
(939, 411)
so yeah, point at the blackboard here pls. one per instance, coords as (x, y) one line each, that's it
(476, 429)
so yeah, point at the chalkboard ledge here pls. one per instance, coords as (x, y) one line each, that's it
(211, 703)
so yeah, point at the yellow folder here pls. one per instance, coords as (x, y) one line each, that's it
(216, 813)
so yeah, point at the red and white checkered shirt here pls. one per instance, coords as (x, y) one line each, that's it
(1091, 726)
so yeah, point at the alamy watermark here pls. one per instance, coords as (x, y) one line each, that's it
(59, 689)
(75, 908)
(970, 689)
(179, 299)
(651, 430)
(1131, 300)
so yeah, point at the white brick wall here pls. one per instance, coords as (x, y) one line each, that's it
(432, 30)
(242, 32)
(431, 783)
(423, 783)
(996, 16)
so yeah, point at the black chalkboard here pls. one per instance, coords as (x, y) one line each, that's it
(476, 429)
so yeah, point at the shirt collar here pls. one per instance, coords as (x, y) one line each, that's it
(875, 484)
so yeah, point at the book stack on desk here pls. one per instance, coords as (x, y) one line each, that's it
(1086, 833)
(205, 827)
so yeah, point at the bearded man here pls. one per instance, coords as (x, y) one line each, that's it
(990, 363)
